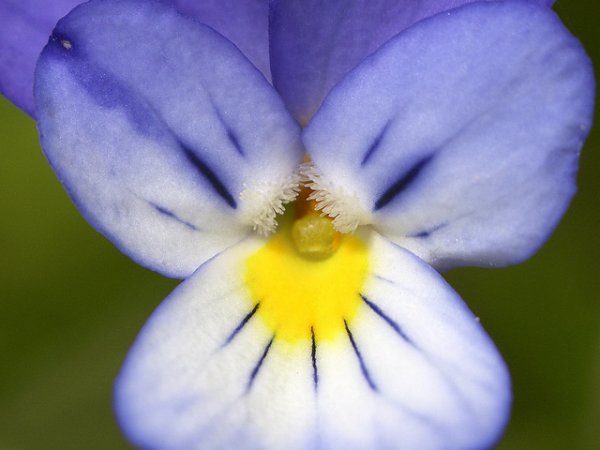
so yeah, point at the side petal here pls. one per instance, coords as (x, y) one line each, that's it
(460, 138)
(26, 25)
(411, 370)
(24, 29)
(156, 124)
(315, 43)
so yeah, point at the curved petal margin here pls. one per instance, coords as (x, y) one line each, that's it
(27, 24)
(314, 43)
(24, 29)
(156, 124)
(245, 23)
(460, 138)
(412, 370)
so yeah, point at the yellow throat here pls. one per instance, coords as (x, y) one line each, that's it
(307, 278)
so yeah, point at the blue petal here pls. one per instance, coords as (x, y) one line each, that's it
(156, 124)
(315, 43)
(245, 23)
(26, 25)
(461, 137)
(413, 370)
(24, 29)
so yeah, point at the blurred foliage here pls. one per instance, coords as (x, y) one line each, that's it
(71, 304)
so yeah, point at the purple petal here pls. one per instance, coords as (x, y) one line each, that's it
(24, 29)
(27, 24)
(156, 124)
(245, 23)
(315, 43)
(461, 137)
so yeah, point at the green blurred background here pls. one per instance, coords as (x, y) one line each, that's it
(71, 304)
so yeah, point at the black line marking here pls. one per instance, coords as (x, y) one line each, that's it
(401, 184)
(241, 325)
(426, 233)
(230, 133)
(382, 278)
(210, 175)
(391, 322)
(420, 234)
(363, 367)
(313, 355)
(259, 364)
(235, 141)
(174, 216)
(374, 146)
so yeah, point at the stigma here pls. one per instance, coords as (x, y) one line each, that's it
(313, 234)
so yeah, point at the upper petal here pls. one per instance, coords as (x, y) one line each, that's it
(156, 124)
(315, 43)
(26, 25)
(245, 23)
(412, 370)
(460, 138)
(24, 29)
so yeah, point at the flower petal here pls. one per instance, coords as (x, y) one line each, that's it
(417, 371)
(460, 138)
(205, 371)
(156, 125)
(412, 370)
(25, 27)
(315, 43)
(245, 23)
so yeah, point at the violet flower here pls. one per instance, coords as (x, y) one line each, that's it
(439, 134)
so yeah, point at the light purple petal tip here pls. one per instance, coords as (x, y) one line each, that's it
(25, 26)
(315, 43)
(24, 29)
(245, 23)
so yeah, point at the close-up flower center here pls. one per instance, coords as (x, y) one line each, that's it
(306, 279)
(313, 233)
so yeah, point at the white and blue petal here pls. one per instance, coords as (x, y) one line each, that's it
(315, 43)
(27, 24)
(460, 138)
(206, 372)
(166, 137)
(412, 370)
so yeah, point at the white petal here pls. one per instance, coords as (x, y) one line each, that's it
(412, 370)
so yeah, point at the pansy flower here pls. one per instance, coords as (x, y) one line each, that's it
(308, 214)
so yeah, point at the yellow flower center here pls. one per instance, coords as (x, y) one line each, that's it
(307, 278)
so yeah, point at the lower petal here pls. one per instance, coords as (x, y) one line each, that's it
(411, 369)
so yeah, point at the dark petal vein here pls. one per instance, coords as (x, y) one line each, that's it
(313, 355)
(363, 367)
(174, 216)
(209, 174)
(391, 322)
(241, 325)
(259, 364)
(374, 146)
(402, 183)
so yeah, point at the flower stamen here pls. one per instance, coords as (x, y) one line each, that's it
(345, 210)
(263, 201)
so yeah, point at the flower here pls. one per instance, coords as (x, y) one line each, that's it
(454, 143)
